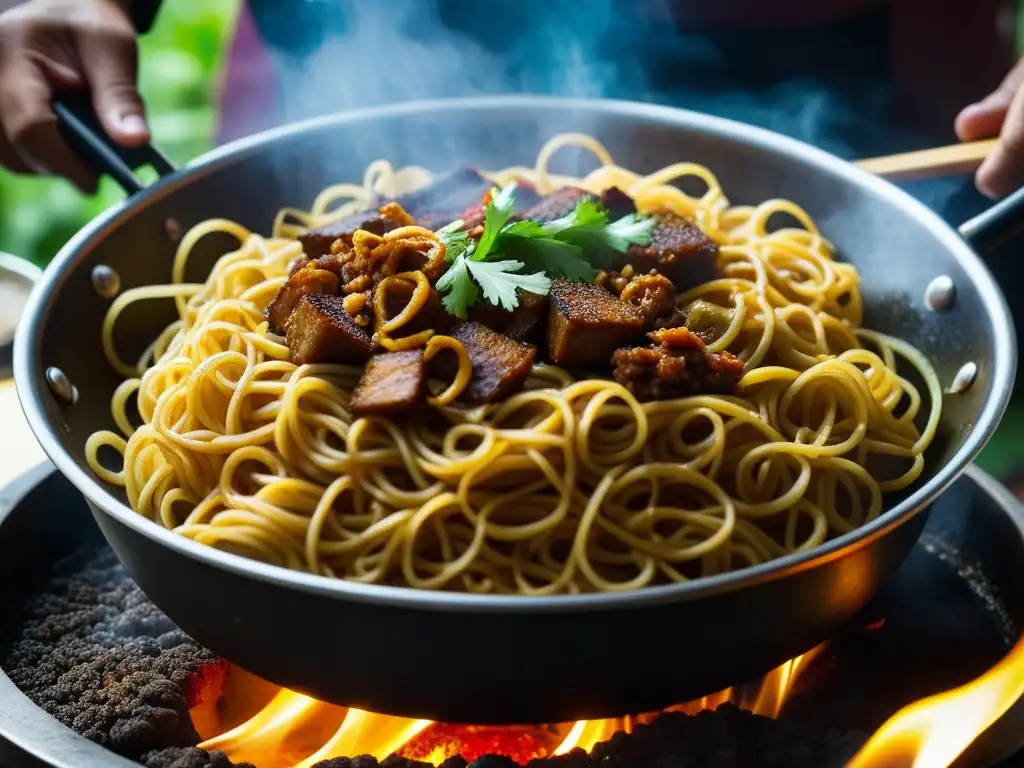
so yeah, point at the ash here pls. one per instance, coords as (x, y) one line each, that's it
(95, 653)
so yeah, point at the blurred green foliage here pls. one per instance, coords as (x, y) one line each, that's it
(180, 66)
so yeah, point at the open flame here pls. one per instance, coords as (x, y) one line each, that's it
(292, 730)
(933, 732)
(295, 731)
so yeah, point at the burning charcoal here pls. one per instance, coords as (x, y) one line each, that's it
(574, 758)
(189, 757)
(394, 761)
(92, 651)
(456, 761)
(726, 738)
(363, 761)
(494, 761)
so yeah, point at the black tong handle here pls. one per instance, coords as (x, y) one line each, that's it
(81, 128)
(993, 227)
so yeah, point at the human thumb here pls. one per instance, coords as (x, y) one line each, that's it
(110, 59)
(985, 118)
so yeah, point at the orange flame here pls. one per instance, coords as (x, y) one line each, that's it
(933, 732)
(296, 731)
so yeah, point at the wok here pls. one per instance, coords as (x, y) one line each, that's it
(476, 658)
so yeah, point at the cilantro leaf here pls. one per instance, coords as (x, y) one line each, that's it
(634, 229)
(498, 281)
(544, 254)
(496, 216)
(587, 212)
(458, 289)
(456, 241)
(572, 246)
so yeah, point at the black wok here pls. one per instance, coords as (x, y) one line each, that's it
(504, 659)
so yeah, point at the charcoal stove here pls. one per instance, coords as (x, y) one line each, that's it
(953, 610)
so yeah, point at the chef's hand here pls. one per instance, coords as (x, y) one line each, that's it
(48, 46)
(1001, 114)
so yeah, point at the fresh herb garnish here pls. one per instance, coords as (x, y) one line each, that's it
(496, 216)
(499, 280)
(573, 246)
(455, 239)
(460, 292)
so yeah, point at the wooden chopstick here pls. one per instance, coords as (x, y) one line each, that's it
(928, 163)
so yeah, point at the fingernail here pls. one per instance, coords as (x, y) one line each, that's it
(133, 124)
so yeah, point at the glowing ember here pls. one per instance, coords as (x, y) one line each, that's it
(295, 731)
(934, 732)
(522, 743)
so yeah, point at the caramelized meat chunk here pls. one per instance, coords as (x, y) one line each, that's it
(586, 323)
(317, 242)
(447, 198)
(321, 331)
(394, 381)
(524, 323)
(618, 203)
(309, 278)
(562, 201)
(653, 295)
(678, 364)
(679, 250)
(554, 206)
(433, 206)
(500, 364)
(431, 316)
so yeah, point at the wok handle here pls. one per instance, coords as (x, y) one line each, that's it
(81, 128)
(992, 228)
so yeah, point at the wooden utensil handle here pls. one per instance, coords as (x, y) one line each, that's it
(928, 163)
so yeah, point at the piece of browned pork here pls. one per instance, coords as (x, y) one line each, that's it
(562, 201)
(586, 324)
(439, 203)
(308, 279)
(431, 315)
(677, 364)
(524, 323)
(391, 382)
(679, 250)
(321, 331)
(500, 365)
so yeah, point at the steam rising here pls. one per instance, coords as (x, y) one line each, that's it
(405, 49)
(383, 52)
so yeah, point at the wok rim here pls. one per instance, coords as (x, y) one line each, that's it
(32, 389)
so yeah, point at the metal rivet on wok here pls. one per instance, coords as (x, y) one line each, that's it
(964, 378)
(173, 229)
(940, 293)
(61, 385)
(106, 281)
